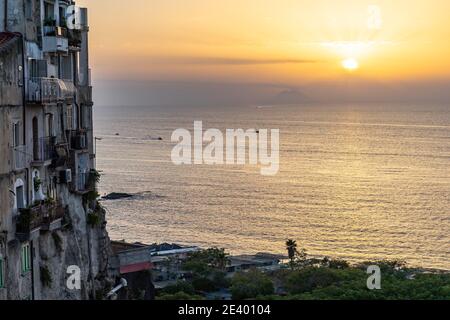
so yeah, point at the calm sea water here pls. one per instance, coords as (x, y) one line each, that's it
(356, 181)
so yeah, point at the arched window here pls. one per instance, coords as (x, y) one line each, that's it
(37, 187)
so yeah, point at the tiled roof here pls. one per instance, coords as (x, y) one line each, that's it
(6, 39)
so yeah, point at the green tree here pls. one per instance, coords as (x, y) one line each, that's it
(250, 285)
(291, 247)
(179, 296)
(203, 262)
(180, 286)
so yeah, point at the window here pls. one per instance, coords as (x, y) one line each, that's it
(16, 134)
(29, 9)
(2, 276)
(49, 11)
(20, 197)
(49, 126)
(69, 118)
(62, 17)
(26, 258)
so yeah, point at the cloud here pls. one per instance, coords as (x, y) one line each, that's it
(232, 61)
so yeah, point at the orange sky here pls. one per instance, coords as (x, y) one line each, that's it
(274, 40)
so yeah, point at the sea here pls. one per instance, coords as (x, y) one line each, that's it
(356, 181)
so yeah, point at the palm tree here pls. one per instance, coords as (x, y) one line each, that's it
(291, 246)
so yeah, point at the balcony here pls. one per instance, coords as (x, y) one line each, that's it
(85, 181)
(44, 216)
(28, 221)
(74, 37)
(52, 217)
(49, 90)
(20, 158)
(44, 150)
(78, 139)
(55, 40)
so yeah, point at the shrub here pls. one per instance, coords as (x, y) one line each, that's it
(204, 284)
(46, 277)
(180, 286)
(250, 285)
(58, 241)
(179, 296)
(310, 278)
(93, 219)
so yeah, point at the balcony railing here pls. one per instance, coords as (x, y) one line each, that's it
(48, 90)
(29, 219)
(20, 157)
(85, 181)
(55, 39)
(38, 217)
(53, 213)
(78, 139)
(45, 149)
(51, 31)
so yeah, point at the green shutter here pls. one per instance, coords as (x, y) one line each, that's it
(26, 261)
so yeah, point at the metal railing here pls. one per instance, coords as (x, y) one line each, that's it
(85, 181)
(29, 219)
(47, 90)
(78, 139)
(45, 149)
(51, 31)
(39, 216)
(52, 213)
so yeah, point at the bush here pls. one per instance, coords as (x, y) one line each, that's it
(93, 219)
(250, 285)
(58, 241)
(205, 260)
(310, 278)
(180, 286)
(204, 284)
(179, 296)
(220, 279)
(46, 277)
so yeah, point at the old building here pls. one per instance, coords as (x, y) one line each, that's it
(49, 217)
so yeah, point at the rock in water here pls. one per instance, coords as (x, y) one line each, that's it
(117, 196)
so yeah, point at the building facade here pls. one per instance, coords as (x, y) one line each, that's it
(50, 221)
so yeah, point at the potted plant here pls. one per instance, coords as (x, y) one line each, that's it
(49, 22)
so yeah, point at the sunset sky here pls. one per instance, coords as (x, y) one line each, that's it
(290, 44)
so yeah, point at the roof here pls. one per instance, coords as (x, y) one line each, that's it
(257, 259)
(165, 247)
(121, 246)
(7, 39)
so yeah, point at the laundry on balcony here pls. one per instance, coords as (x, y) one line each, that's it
(49, 90)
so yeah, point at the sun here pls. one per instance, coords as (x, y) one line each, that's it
(350, 64)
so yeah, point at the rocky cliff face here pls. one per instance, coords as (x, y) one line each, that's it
(82, 242)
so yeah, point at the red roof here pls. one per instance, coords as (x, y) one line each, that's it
(7, 38)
